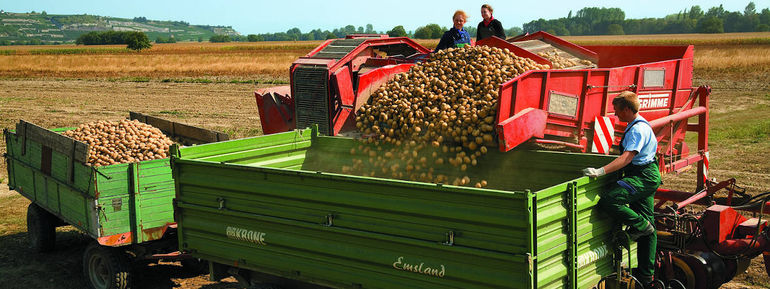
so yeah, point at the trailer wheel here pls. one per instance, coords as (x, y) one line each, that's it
(106, 267)
(41, 228)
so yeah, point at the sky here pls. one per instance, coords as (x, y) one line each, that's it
(254, 17)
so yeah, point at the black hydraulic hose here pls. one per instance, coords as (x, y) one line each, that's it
(753, 202)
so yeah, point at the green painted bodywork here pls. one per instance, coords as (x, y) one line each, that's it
(124, 199)
(272, 204)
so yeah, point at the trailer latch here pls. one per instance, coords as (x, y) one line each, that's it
(221, 203)
(450, 238)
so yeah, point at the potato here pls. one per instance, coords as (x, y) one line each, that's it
(437, 117)
(114, 142)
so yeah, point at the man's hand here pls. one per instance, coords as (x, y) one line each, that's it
(593, 172)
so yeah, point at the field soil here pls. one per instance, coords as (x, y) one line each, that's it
(87, 90)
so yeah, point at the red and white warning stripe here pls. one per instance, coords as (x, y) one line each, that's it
(604, 132)
(706, 166)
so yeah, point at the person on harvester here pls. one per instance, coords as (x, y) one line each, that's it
(455, 36)
(630, 201)
(489, 26)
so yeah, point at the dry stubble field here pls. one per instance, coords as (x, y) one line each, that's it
(211, 85)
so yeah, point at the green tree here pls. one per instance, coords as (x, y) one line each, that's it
(695, 12)
(716, 11)
(750, 9)
(423, 32)
(137, 41)
(711, 25)
(513, 31)
(370, 29)
(255, 38)
(330, 35)
(219, 38)
(397, 31)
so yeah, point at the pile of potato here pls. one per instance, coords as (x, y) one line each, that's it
(440, 113)
(561, 62)
(125, 141)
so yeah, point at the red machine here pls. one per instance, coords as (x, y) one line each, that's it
(566, 109)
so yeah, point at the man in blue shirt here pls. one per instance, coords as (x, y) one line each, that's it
(630, 201)
(455, 36)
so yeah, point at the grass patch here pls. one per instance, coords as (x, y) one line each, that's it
(7, 52)
(13, 219)
(753, 127)
(70, 51)
(235, 81)
(236, 133)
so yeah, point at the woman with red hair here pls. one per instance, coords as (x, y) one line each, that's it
(455, 36)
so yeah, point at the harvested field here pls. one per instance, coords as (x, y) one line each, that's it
(211, 86)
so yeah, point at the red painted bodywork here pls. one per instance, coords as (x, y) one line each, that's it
(521, 127)
(277, 112)
(276, 109)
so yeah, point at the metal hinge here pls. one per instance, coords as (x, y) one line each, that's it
(329, 220)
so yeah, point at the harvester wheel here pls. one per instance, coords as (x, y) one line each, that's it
(41, 228)
(683, 273)
(106, 267)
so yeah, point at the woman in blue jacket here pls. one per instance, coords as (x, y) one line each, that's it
(455, 36)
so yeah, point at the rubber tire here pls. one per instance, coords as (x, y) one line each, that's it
(41, 229)
(113, 263)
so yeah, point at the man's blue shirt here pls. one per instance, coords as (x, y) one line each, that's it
(639, 137)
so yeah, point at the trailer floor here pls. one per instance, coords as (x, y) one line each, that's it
(740, 134)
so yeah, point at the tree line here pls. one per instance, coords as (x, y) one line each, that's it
(612, 21)
(133, 40)
(430, 31)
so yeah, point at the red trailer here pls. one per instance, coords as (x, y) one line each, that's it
(567, 109)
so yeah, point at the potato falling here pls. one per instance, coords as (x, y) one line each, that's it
(443, 109)
(125, 141)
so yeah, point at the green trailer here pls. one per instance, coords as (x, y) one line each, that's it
(272, 211)
(126, 208)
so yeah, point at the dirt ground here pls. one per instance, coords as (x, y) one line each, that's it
(231, 108)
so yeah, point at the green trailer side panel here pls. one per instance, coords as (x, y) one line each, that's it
(279, 204)
(154, 199)
(377, 222)
(58, 193)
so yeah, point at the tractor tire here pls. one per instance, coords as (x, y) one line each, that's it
(106, 267)
(41, 228)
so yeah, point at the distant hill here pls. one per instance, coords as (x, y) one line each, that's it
(42, 28)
